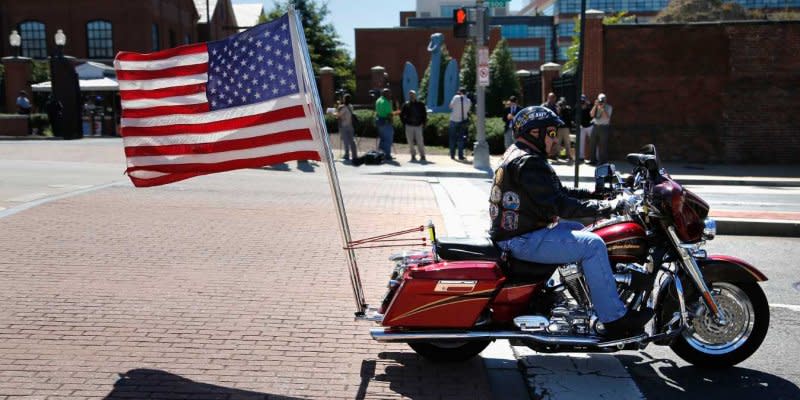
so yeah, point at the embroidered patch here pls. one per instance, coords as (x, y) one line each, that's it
(494, 210)
(509, 221)
(496, 195)
(498, 176)
(511, 201)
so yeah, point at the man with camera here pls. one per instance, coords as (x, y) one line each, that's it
(601, 116)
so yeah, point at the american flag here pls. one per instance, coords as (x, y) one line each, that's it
(211, 107)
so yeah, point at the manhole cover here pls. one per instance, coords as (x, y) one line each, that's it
(797, 286)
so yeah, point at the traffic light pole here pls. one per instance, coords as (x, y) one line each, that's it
(480, 153)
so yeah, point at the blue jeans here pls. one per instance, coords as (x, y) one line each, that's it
(385, 136)
(457, 135)
(566, 243)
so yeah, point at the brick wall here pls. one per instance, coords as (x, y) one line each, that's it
(705, 92)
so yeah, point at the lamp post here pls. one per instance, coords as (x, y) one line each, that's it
(61, 40)
(15, 40)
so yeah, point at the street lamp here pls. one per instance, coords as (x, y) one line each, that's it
(61, 40)
(15, 40)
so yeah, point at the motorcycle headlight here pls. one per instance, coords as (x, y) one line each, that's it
(710, 229)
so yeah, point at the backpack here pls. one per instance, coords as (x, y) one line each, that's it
(372, 157)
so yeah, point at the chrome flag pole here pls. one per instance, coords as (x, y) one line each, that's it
(320, 134)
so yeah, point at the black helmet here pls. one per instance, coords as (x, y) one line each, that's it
(535, 117)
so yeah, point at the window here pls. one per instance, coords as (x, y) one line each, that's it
(447, 11)
(525, 53)
(562, 52)
(99, 39)
(566, 29)
(34, 39)
(155, 39)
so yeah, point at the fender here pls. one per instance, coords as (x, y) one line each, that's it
(728, 268)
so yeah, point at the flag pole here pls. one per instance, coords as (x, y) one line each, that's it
(320, 133)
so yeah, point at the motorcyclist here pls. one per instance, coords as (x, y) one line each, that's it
(526, 203)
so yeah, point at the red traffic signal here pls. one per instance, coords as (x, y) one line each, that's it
(460, 23)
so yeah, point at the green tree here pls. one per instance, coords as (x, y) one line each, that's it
(572, 52)
(426, 77)
(468, 66)
(324, 46)
(502, 79)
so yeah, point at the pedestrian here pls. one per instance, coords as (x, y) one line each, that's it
(563, 138)
(459, 122)
(23, 103)
(344, 116)
(586, 128)
(508, 118)
(383, 121)
(601, 116)
(414, 115)
(54, 113)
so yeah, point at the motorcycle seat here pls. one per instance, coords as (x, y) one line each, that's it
(483, 249)
(466, 248)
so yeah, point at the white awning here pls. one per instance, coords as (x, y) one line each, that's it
(87, 85)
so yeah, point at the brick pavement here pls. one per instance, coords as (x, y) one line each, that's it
(229, 286)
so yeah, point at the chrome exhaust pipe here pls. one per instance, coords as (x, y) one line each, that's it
(387, 335)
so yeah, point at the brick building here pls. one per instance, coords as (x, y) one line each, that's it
(97, 29)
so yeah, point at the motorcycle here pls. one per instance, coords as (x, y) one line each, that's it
(448, 303)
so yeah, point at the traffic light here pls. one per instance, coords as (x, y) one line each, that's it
(460, 23)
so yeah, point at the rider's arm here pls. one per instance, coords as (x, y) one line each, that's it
(544, 187)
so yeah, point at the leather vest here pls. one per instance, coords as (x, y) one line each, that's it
(512, 207)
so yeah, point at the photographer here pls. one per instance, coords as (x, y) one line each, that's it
(601, 116)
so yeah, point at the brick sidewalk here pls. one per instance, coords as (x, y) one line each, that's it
(230, 286)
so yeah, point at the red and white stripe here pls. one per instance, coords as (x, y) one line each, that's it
(170, 133)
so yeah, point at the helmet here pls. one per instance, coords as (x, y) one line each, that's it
(535, 117)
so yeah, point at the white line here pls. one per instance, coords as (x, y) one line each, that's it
(22, 207)
(787, 306)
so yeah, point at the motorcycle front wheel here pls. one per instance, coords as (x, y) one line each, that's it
(449, 351)
(711, 345)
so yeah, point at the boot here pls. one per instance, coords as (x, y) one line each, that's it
(631, 324)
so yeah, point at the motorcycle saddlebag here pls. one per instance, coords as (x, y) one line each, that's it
(444, 295)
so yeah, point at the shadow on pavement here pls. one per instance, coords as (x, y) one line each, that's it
(411, 376)
(663, 379)
(157, 384)
(278, 167)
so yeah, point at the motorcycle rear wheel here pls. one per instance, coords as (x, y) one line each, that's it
(711, 345)
(449, 351)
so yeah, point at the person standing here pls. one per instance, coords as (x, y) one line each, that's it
(563, 138)
(414, 115)
(601, 114)
(459, 120)
(54, 113)
(586, 128)
(508, 118)
(383, 115)
(344, 116)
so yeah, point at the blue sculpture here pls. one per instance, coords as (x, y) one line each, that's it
(411, 81)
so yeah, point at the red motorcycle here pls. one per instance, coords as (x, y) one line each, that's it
(450, 302)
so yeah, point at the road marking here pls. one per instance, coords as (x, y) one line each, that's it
(787, 306)
(26, 197)
(39, 201)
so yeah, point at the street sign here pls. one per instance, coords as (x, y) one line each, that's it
(483, 76)
(483, 66)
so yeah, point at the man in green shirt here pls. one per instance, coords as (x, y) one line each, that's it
(383, 116)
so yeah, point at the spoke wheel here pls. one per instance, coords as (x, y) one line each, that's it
(713, 345)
